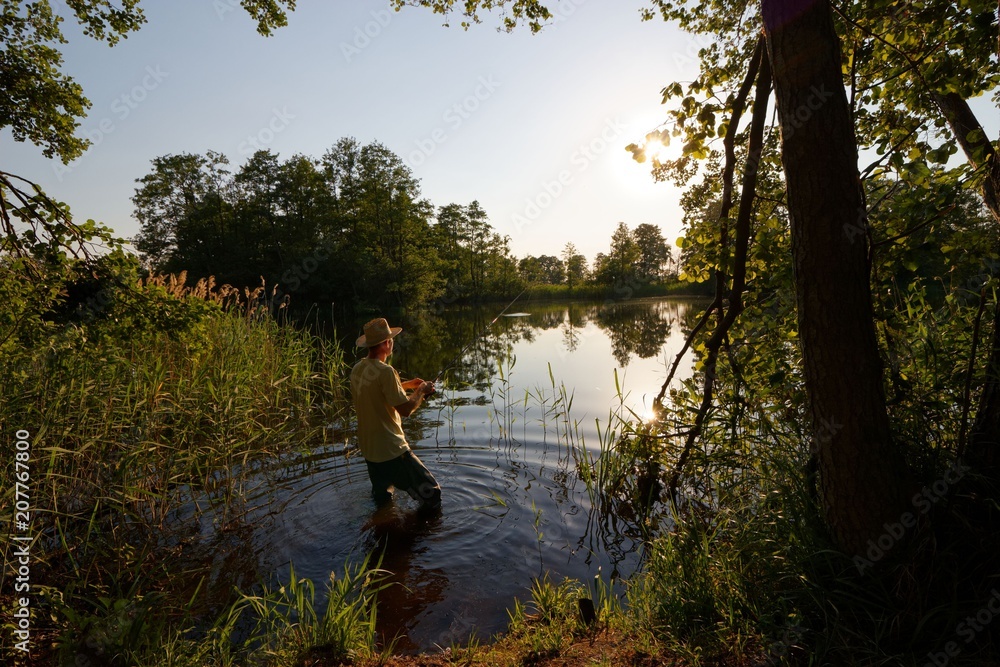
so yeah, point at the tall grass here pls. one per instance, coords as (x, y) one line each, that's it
(288, 627)
(141, 436)
(280, 626)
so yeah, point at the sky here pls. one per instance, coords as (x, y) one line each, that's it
(534, 127)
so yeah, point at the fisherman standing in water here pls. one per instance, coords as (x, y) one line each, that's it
(380, 401)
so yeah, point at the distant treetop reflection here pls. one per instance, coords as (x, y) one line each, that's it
(433, 340)
(637, 327)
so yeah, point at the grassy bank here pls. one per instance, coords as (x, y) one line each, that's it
(635, 290)
(154, 415)
(151, 415)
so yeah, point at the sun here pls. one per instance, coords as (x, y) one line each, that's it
(657, 151)
(654, 148)
(643, 157)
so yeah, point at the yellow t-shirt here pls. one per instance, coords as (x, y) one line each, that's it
(376, 390)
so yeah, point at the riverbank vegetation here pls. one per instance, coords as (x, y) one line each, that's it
(823, 490)
(154, 414)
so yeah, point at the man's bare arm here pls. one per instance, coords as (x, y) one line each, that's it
(424, 388)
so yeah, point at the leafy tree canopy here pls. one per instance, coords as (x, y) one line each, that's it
(43, 105)
(513, 12)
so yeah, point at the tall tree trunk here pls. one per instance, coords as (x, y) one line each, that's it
(862, 478)
(983, 451)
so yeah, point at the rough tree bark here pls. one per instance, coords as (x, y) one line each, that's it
(863, 481)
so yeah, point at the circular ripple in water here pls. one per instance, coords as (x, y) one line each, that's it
(509, 513)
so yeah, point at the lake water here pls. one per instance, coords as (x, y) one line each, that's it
(497, 437)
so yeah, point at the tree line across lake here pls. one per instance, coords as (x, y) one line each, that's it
(353, 228)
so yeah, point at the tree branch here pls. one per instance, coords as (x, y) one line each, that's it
(739, 104)
(967, 395)
(743, 233)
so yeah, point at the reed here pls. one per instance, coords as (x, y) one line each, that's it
(288, 628)
(503, 395)
(145, 429)
(542, 627)
(280, 626)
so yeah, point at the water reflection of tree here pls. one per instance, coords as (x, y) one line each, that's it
(460, 344)
(638, 328)
(576, 319)
(545, 473)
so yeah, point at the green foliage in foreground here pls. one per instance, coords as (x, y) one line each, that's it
(288, 629)
(152, 410)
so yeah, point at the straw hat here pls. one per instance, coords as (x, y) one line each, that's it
(377, 331)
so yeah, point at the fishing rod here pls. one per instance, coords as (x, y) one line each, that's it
(461, 352)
